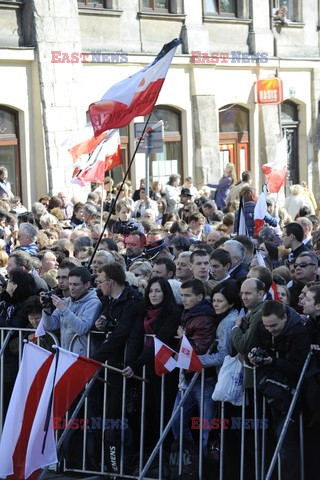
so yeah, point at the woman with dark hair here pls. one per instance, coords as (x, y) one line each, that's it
(20, 286)
(160, 317)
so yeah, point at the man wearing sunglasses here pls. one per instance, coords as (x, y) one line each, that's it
(306, 270)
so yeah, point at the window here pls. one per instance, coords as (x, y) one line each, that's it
(286, 10)
(164, 164)
(221, 7)
(97, 4)
(9, 156)
(160, 5)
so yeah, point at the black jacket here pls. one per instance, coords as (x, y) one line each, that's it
(123, 313)
(239, 274)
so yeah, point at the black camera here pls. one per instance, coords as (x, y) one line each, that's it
(259, 355)
(46, 298)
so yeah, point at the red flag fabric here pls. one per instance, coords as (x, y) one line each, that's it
(163, 360)
(274, 292)
(86, 147)
(105, 156)
(276, 171)
(187, 358)
(68, 375)
(133, 96)
(260, 211)
(25, 398)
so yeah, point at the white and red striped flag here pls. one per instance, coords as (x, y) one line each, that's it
(276, 171)
(133, 96)
(187, 358)
(26, 394)
(68, 375)
(260, 210)
(40, 331)
(242, 226)
(163, 360)
(105, 156)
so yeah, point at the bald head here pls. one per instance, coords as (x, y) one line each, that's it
(252, 292)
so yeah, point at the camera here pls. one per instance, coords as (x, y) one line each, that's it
(46, 298)
(259, 355)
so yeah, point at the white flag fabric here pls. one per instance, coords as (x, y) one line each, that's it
(30, 380)
(260, 210)
(187, 358)
(68, 375)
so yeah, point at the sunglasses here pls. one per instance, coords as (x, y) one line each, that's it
(303, 265)
(186, 210)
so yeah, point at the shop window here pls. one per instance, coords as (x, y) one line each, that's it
(9, 147)
(164, 164)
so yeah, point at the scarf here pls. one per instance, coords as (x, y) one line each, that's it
(152, 315)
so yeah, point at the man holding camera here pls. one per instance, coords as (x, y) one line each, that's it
(73, 315)
(284, 345)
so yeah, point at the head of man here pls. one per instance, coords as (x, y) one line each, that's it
(196, 223)
(200, 264)
(135, 243)
(248, 247)
(263, 274)
(164, 267)
(185, 196)
(293, 235)
(220, 264)
(19, 259)
(214, 236)
(123, 211)
(307, 226)
(101, 258)
(274, 317)
(27, 234)
(184, 271)
(192, 293)
(49, 262)
(64, 269)
(236, 250)
(79, 282)
(64, 199)
(89, 213)
(311, 302)
(306, 267)
(111, 279)
(208, 208)
(252, 292)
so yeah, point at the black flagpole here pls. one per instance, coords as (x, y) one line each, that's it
(118, 194)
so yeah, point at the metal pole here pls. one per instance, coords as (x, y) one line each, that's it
(288, 417)
(147, 136)
(221, 443)
(256, 456)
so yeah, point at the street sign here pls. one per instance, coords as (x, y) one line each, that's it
(153, 138)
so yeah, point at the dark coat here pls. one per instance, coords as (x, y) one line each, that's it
(199, 326)
(239, 274)
(123, 312)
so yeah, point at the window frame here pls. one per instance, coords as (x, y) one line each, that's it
(222, 14)
(156, 9)
(12, 140)
(103, 4)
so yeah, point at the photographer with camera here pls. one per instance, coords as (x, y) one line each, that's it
(279, 356)
(73, 315)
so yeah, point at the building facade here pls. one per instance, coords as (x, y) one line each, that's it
(59, 56)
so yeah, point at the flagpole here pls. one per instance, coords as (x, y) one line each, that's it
(118, 194)
(101, 206)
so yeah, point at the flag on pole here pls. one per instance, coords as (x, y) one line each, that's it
(105, 156)
(260, 210)
(187, 358)
(163, 360)
(133, 96)
(276, 171)
(242, 227)
(26, 394)
(86, 147)
(68, 375)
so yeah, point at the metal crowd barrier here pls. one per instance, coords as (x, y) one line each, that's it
(262, 471)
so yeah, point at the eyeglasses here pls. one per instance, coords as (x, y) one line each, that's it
(99, 282)
(303, 265)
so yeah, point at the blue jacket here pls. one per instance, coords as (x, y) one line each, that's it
(222, 191)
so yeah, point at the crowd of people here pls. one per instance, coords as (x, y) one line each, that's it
(171, 263)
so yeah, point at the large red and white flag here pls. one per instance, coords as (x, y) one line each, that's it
(105, 156)
(133, 96)
(163, 360)
(23, 405)
(68, 375)
(260, 211)
(276, 171)
(187, 358)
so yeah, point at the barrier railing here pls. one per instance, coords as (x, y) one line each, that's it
(136, 466)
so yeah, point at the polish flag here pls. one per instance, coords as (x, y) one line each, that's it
(133, 96)
(86, 147)
(274, 292)
(163, 360)
(67, 376)
(105, 156)
(187, 358)
(276, 171)
(26, 394)
(260, 210)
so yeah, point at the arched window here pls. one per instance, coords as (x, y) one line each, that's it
(9, 151)
(164, 164)
(234, 137)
